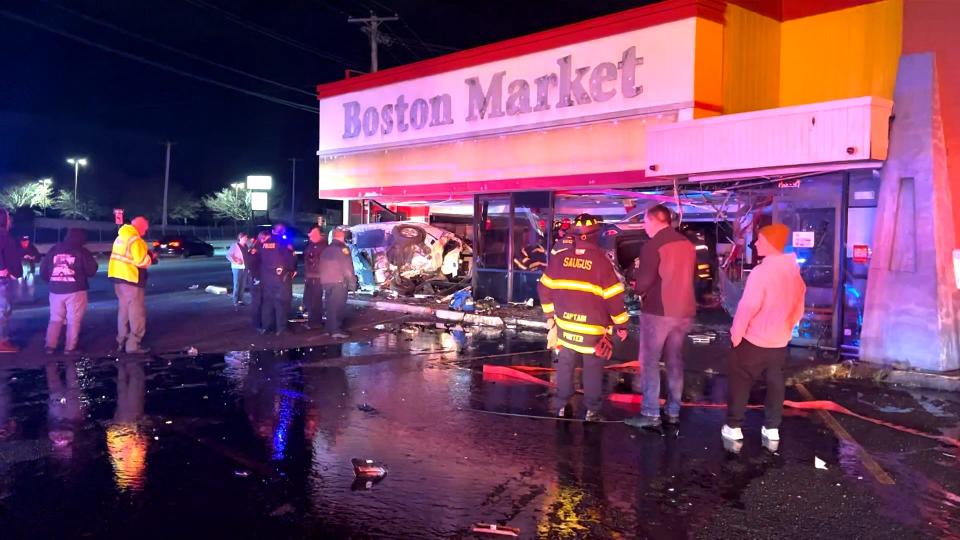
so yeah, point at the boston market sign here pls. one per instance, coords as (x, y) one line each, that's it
(634, 73)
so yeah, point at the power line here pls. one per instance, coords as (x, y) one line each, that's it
(236, 19)
(164, 46)
(416, 36)
(157, 65)
(372, 29)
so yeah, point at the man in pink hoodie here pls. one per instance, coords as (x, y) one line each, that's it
(772, 304)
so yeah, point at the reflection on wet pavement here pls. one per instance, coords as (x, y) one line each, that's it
(259, 444)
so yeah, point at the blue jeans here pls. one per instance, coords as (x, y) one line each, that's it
(239, 284)
(662, 337)
(6, 308)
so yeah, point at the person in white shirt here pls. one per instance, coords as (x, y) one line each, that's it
(235, 256)
(772, 304)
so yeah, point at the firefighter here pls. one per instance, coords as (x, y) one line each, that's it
(582, 295)
(532, 257)
(277, 267)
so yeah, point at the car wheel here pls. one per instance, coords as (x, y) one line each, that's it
(185, 254)
(210, 252)
(408, 235)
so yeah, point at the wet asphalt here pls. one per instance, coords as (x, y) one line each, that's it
(259, 445)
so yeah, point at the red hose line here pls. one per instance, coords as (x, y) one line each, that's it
(522, 373)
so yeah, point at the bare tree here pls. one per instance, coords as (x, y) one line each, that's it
(35, 194)
(185, 210)
(230, 203)
(79, 209)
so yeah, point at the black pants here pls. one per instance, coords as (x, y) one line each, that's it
(335, 301)
(313, 301)
(276, 309)
(748, 364)
(592, 378)
(256, 305)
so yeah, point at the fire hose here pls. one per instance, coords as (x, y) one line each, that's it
(523, 373)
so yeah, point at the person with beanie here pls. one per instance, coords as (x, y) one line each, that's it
(771, 305)
(68, 268)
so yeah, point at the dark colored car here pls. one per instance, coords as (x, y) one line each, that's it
(182, 246)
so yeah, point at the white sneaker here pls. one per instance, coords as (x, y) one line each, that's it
(731, 433)
(772, 434)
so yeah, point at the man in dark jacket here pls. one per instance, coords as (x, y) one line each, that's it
(313, 289)
(278, 266)
(664, 279)
(336, 278)
(251, 261)
(11, 268)
(67, 268)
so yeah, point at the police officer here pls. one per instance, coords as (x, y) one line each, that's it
(312, 288)
(582, 295)
(336, 278)
(277, 267)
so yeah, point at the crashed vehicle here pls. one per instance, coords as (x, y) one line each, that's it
(409, 257)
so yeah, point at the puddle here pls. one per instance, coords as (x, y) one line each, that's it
(260, 444)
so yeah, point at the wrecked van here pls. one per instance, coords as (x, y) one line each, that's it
(409, 257)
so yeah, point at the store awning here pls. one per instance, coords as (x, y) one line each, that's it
(832, 135)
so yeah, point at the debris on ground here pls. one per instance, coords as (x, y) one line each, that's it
(462, 300)
(213, 289)
(193, 287)
(819, 463)
(368, 468)
(191, 351)
(486, 304)
(496, 530)
(705, 338)
(241, 473)
(283, 510)
(367, 408)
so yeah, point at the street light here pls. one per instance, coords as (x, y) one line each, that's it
(77, 163)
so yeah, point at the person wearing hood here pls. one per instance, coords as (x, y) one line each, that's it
(771, 305)
(68, 268)
(129, 260)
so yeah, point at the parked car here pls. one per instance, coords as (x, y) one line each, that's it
(182, 246)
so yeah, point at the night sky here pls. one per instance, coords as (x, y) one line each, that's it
(59, 97)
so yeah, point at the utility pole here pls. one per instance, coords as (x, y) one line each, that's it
(166, 188)
(293, 192)
(372, 29)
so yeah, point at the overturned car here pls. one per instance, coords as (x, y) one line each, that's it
(409, 258)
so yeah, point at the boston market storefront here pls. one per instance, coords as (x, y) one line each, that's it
(704, 104)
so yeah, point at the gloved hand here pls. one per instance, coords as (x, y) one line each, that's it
(604, 347)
